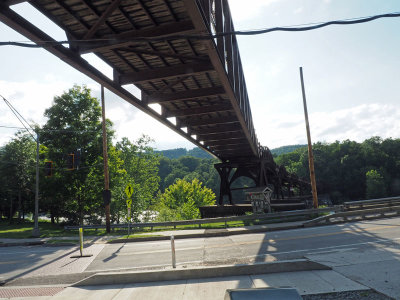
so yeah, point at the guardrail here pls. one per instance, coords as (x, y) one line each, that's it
(365, 214)
(264, 217)
(368, 203)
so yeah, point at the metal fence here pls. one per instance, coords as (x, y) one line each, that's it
(225, 220)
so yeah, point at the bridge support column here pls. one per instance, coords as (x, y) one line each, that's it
(224, 172)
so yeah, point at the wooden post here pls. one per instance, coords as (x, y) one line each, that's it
(310, 153)
(105, 159)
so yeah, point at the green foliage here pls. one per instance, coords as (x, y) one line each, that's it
(179, 152)
(188, 168)
(286, 149)
(17, 169)
(181, 201)
(375, 185)
(341, 168)
(74, 122)
(141, 165)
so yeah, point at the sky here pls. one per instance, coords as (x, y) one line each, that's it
(351, 74)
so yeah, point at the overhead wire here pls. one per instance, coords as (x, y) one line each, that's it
(290, 28)
(19, 117)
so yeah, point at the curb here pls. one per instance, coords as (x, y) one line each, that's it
(36, 243)
(110, 278)
(204, 235)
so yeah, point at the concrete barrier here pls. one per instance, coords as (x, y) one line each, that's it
(201, 272)
(364, 214)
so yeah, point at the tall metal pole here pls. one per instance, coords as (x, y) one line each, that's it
(310, 152)
(36, 231)
(106, 193)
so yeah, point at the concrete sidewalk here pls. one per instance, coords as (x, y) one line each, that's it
(306, 282)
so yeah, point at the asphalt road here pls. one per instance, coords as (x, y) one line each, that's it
(238, 249)
(249, 248)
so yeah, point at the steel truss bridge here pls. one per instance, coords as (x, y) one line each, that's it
(165, 48)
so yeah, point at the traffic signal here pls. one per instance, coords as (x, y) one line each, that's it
(48, 168)
(70, 161)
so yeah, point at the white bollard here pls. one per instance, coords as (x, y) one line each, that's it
(173, 251)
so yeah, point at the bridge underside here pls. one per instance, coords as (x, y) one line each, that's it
(156, 46)
(264, 172)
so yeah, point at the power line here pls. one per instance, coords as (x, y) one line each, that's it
(48, 130)
(19, 116)
(290, 28)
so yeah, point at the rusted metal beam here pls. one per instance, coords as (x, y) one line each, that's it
(110, 9)
(164, 73)
(128, 38)
(211, 121)
(185, 95)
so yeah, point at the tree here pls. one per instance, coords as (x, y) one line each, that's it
(375, 185)
(17, 169)
(181, 201)
(141, 166)
(74, 124)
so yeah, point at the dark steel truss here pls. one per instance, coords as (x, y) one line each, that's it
(200, 82)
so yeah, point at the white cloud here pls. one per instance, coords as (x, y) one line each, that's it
(357, 123)
(30, 99)
(298, 10)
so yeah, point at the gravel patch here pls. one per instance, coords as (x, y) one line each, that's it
(353, 295)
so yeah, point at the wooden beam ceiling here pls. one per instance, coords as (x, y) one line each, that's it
(200, 110)
(128, 38)
(164, 73)
(108, 12)
(185, 95)
(211, 121)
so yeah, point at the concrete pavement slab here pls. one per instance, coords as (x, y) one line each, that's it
(68, 265)
(377, 268)
(91, 293)
(383, 276)
(309, 282)
(306, 282)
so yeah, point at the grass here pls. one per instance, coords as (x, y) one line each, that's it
(57, 241)
(24, 228)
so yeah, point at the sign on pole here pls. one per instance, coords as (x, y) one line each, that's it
(129, 190)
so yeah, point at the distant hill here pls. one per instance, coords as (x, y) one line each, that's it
(178, 152)
(199, 153)
(285, 149)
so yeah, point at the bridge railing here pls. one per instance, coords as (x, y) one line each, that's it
(217, 15)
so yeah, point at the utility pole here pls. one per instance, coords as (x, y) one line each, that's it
(36, 231)
(106, 192)
(310, 152)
